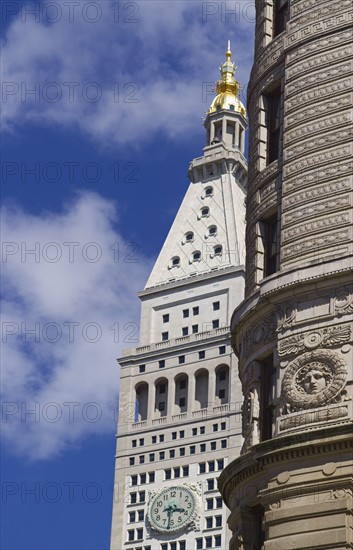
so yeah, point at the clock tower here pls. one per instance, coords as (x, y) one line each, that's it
(180, 396)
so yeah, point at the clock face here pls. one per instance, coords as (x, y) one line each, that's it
(172, 509)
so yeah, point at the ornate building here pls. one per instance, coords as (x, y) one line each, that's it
(292, 486)
(180, 396)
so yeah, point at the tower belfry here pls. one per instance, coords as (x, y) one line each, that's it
(179, 409)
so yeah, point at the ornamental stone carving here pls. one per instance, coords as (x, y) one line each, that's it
(329, 336)
(343, 302)
(314, 379)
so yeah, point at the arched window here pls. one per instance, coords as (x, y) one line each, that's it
(212, 231)
(205, 211)
(196, 256)
(209, 191)
(189, 237)
(218, 249)
(141, 402)
(175, 261)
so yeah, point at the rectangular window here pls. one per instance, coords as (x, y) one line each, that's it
(185, 471)
(132, 517)
(280, 16)
(162, 388)
(154, 439)
(224, 444)
(198, 544)
(215, 323)
(134, 443)
(211, 466)
(182, 451)
(164, 546)
(223, 425)
(192, 449)
(202, 430)
(210, 484)
(185, 331)
(161, 406)
(165, 336)
(195, 310)
(181, 434)
(174, 435)
(161, 438)
(182, 384)
(161, 364)
(209, 522)
(131, 534)
(172, 453)
(216, 306)
(213, 445)
(132, 460)
(141, 515)
(181, 359)
(182, 402)
(151, 457)
(195, 329)
(133, 480)
(221, 394)
(182, 545)
(202, 354)
(142, 368)
(176, 473)
(142, 459)
(185, 313)
(222, 376)
(209, 503)
(194, 431)
(151, 477)
(139, 534)
(268, 381)
(142, 496)
(166, 318)
(220, 464)
(203, 447)
(133, 498)
(215, 427)
(218, 540)
(219, 502)
(162, 455)
(173, 546)
(143, 478)
(168, 474)
(222, 350)
(273, 124)
(202, 467)
(208, 541)
(269, 233)
(218, 520)
(141, 442)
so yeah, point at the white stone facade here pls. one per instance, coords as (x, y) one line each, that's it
(179, 408)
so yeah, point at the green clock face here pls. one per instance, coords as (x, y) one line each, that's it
(172, 509)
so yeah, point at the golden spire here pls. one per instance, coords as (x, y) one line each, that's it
(227, 88)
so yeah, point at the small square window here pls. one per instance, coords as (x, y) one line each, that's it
(222, 350)
(224, 444)
(161, 364)
(182, 402)
(161, 438)
(174, 435)
(141, 442)
(154, 439)
(211, 466)
(213, 445)
(202, 354)
(133, 480)
(185, 313)
(192, 449)
(203, 447)
(134, 443)
(151, 477)
(185, 471)
(185, 331)
(215, 323)
(194, 431)
(195, 310)
(219, 502)
(215, 306)
(133, 498)
(218, 521)
(221, 394)
(223, 426)
(161, 406)
(142, 496)
(182, 451)
(139, 534)
(209, 522)
(132, 460)
(218, 540)
(165, 336)
(182, 434)
(161, 455)
(143, 478)
(172, 453)
(215, 427)
(168, 474)
(151, 457)
(141, 515)
(209, 503)
(176, 473)
(202, 467)
(142, 368)
(166, 318)
(220, 464)
(202, 430)
(181, 359)
(195, 329)
(210, 484)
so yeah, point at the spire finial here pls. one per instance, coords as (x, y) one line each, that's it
(228, 52)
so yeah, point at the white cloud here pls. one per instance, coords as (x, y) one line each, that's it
(54, 295)
(171, 49)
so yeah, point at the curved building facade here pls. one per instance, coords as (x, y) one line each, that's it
(291, 488)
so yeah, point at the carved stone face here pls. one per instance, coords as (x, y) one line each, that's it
(314, 382)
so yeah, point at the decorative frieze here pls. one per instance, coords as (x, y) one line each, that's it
(315, 97)
(330, 336)
(315, 244)
(316, 127)
(316, 225)
(313, 177)
(318, 142)
(325, 43)
(310, 209)
(323, 157)
(318, 61)
(331, 23)
(312, 417)
(332, 73)
(313, 194)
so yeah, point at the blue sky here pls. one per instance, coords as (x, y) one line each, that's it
(94, 168)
